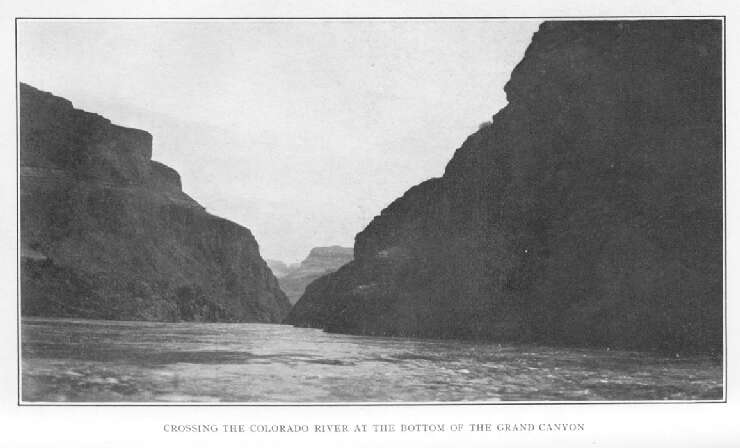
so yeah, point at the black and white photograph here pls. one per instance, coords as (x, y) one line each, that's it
(262, 226)
(299, 211)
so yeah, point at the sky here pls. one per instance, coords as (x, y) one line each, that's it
(301, 130)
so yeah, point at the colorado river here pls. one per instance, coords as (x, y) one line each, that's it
(75, 360)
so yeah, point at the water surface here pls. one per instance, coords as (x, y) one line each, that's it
(69, 360)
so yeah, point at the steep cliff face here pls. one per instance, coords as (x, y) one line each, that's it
(108, 233)
(588, 213)
(294, 278)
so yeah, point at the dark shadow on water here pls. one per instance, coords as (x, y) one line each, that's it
(330, 362)
(157, 358)
(143, 358)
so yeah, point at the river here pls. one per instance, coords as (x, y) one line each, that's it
(75, 360)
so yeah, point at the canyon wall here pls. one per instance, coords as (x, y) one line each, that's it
(108, 233)
(294, 278)
(589, 213)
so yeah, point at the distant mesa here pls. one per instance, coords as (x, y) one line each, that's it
(294, 278)
(589, 213)
(107, 233)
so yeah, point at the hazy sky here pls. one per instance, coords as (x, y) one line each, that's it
(300, 130)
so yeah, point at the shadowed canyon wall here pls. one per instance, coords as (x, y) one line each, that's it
(108, 233)
(589, 213)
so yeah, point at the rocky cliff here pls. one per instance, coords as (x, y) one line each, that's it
(589, 213)
(108, 233)
(294, 278)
